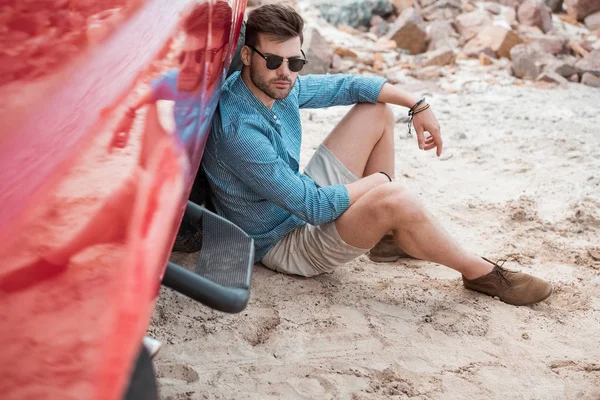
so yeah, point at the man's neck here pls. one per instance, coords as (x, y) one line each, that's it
(260, 95)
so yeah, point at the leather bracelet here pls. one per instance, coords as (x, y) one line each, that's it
(389, 177)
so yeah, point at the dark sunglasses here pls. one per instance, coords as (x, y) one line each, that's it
(295, 64)
(199, 54)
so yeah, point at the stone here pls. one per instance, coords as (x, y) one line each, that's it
(401, 5)
(499, 39)
(554, 5)
(345, 52)
(580, 9)
(535, 13)
(551, 44)
(510, 3)
(590, 63)
(318, 52)
(552, 77)
(485, 60)
(574, 78)
(442, 10)
(354, 13)
(441, 34)
(468, 25)
(439, 57)
(590, 80)
(407, 32)
(379, 26)
(525, 63)
(493, 8)
(564, 67)
(506, 18)
(592, 21)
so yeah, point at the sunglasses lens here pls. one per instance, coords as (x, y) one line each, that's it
(296, 65)
(274, 62)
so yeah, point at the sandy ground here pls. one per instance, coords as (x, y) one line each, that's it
(519, 180)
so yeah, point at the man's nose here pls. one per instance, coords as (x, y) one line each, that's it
(284, 69)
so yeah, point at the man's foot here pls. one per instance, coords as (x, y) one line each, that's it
(387, 250)
(511, 287)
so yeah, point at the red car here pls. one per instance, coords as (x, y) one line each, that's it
(105, 110)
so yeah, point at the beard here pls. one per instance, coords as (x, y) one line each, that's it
(269, 88)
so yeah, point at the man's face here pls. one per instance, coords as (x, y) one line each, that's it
(195, 56)
(277, 83)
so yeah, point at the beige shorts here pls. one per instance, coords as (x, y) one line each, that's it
(312, 250)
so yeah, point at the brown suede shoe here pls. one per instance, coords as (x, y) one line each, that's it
(511, 287)
(387, 250)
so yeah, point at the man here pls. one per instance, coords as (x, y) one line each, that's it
(345, 202)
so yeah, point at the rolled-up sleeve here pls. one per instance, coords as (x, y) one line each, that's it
(250, 156)
(319, 91)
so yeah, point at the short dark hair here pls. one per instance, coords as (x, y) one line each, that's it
(278, 21)
(220, 15)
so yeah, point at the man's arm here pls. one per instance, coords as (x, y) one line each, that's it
(320, 91)
(424, 121)
(249, 155)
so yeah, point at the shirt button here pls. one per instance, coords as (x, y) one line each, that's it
(275, 116)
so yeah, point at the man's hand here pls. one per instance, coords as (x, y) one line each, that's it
(423, 122)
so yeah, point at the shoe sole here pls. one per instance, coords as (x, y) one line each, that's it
(516, 305)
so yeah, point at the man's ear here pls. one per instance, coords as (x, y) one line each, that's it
(245, 55)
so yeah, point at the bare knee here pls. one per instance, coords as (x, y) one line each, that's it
(397, 205)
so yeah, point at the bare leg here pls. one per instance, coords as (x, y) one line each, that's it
(390, 207)
(364, 140)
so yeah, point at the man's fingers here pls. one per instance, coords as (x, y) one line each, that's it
(435, 134)
(430, 146)
(420, 137)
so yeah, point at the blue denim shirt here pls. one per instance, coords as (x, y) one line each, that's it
(252, 154)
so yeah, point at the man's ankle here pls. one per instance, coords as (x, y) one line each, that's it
(476, 268)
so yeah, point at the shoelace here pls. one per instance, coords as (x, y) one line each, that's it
(500, 271)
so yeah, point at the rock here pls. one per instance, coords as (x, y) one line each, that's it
(485, 60)
(493, 8)
(470, 24)
(354, 13)
(552, 77)
(574, 78)
(564, 67)
(592, 21)
(442, 10)
(427, 73)
(525, 64)
(439, 57)
(554, 5)
(551, 44)
(580, 9)
(441, 34)
(345, 52)
(535, 13)
(506, 18)
(510, 3)
(590, 63)
(401, 5)
(318, 52)
(500, 40)
(590, 80)
(379, 26)
(408, 33)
